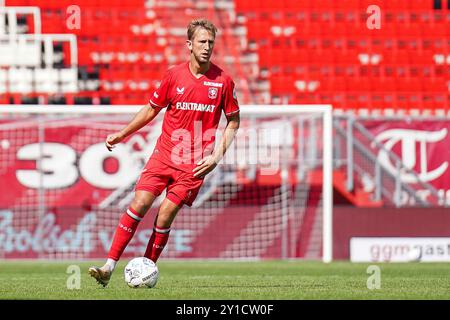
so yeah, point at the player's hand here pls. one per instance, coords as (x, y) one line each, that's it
(113, 139)
(205, 166)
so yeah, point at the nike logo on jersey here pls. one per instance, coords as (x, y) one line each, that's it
(180, 90)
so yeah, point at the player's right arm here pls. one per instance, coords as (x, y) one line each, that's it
(143, 117)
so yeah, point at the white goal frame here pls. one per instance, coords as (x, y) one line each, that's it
(272, 110)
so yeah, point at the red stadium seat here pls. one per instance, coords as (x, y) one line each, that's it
(310, 40)
(397, 5)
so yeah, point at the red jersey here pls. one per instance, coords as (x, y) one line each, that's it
(194, 107)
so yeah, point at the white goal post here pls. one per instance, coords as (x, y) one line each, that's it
(53, 156)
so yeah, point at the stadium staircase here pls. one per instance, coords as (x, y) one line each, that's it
(357, 197)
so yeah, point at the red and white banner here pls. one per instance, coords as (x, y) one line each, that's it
(63, 193)
(75, 233)
(75, 166)
(421, 145)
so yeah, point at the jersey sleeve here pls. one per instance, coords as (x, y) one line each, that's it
(230, 103)
(161, 96)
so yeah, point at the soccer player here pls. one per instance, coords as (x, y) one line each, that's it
(194, 94)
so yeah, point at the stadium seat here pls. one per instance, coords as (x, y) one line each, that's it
(311, 40)
(46, 80)
(7, 58)
(20, 80)
(3, 81)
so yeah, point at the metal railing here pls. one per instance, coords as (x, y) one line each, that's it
(12, 13)
(357, 150)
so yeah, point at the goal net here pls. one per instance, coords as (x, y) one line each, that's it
(63, 192)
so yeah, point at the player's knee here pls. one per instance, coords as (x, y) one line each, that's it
(164, 221)
(141, 205)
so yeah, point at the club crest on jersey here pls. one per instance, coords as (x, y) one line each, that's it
(212, 92)
(180, 90)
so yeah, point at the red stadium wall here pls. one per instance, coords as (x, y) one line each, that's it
(351, 222)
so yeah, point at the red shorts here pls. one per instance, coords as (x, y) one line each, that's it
(182, 187)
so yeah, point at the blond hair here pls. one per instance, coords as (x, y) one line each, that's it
(200, 23)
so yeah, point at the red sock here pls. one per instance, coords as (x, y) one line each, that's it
(124, 232)
(157, 242)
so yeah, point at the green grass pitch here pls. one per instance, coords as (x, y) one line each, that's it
(212, 280)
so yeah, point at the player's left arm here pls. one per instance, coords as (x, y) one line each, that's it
(208, 163)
